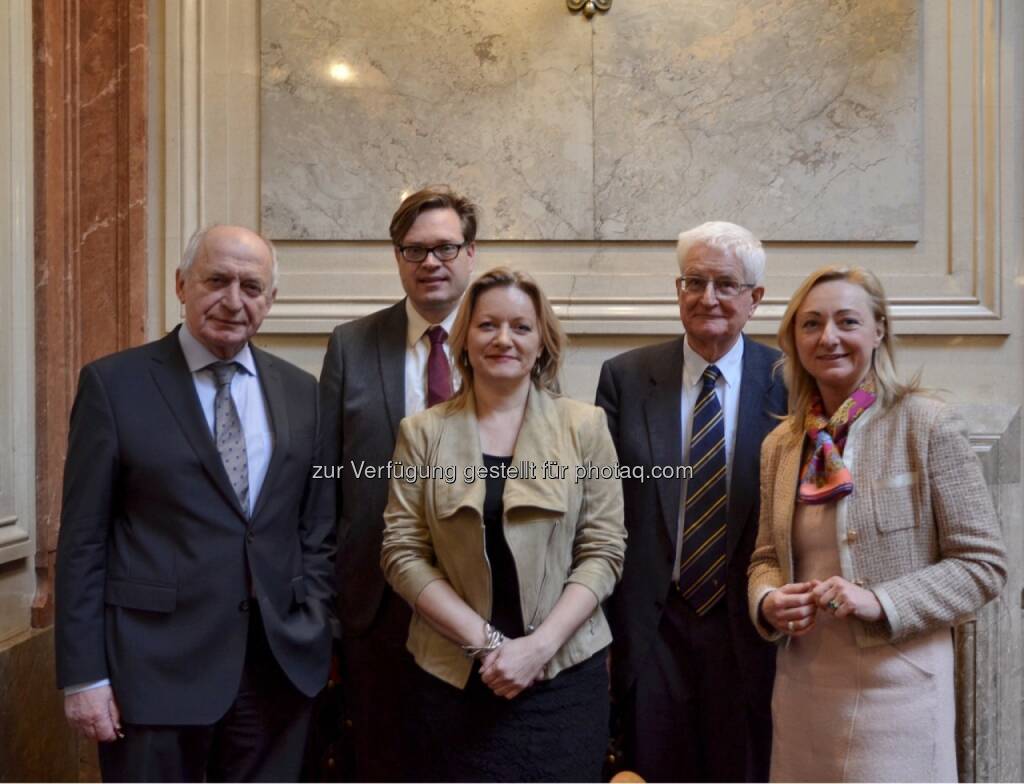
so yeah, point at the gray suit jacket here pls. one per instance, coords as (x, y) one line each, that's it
(640, 392)
(362, 400)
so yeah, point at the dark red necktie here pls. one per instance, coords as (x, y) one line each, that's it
(439, 373)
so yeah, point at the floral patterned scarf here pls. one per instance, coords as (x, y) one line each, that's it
(825, 475)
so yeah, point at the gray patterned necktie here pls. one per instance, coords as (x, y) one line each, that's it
(227, 427)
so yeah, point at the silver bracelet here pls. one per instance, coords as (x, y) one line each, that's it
(492, 641)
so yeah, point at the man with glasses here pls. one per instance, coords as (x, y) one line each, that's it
(691, 678)
(378, 369)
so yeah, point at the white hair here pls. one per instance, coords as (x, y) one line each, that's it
(195, 242)
(727, 238)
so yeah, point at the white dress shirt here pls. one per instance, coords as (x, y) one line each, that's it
(252, 411)
(417, 352)
(727, 389)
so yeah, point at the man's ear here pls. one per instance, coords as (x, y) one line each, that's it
(471, 254)
(756, 295)
(179, 286)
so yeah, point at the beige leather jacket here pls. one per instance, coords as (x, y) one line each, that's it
(558, 530)
(919, 528)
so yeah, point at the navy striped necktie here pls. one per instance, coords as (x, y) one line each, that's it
(702, 563)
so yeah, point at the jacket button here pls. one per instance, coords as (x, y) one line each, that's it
(530, 629)
(243, 606)
(250, 537)
(851, 537)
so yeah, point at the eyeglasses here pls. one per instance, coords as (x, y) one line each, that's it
(417, 254)
(724, 287)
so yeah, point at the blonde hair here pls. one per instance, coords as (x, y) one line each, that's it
(801, 385)
(553, 340)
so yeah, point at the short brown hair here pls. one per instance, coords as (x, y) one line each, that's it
(434, 197)
(552, 336)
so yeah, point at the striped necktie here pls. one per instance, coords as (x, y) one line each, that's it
(702, 563)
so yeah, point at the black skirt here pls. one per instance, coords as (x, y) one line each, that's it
(555, 730)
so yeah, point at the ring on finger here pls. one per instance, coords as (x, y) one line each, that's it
(791, 626)
(833, 605)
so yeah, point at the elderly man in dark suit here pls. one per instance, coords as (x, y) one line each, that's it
(691, 678)
(194, 574)
(377, 370)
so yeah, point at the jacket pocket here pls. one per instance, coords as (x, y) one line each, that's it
(136, 595)
(894, 500)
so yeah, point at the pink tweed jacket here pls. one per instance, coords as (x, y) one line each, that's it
(919, 528)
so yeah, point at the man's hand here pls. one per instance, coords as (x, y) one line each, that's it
(94, 713)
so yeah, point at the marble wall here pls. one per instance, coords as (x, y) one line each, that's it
(956, 285)
(490, 94)
(797, 118)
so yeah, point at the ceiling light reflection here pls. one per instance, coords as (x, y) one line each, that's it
(341, 72)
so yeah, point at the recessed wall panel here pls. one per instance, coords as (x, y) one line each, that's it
(797, 118)
(364, 100)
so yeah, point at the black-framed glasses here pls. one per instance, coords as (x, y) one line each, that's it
(724, 287)
(417, 254)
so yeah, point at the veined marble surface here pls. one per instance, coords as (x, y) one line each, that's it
(799, 119)
(364, 100)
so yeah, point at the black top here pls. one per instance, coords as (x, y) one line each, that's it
(506, 611)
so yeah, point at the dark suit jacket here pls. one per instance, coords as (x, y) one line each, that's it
(640, 391)
(362, 400)
(151, 566)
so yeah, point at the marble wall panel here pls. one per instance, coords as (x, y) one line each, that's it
(797, 118)
(364, 100)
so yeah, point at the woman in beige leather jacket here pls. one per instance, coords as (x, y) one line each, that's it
(877, 535)
(505, 533)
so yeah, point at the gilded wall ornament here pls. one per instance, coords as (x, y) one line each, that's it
(588, 7)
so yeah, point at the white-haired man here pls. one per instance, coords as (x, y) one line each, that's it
(691, 679)
(194, 575)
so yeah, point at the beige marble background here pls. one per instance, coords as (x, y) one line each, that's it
(495, 96)
(798, 118)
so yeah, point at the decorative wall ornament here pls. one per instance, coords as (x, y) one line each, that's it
(589, 7)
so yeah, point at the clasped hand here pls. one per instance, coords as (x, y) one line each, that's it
(516, 665)
(792, 609)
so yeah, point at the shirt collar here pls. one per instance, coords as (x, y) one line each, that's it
(198, 356)
(731, 365)
(417, 325)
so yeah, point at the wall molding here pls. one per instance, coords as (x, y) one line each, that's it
(949, 283)
(17, 410)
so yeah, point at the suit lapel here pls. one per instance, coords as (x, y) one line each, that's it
(744, 479)
(277, 405)
(664, 430)
(391, 345)
(174, 381)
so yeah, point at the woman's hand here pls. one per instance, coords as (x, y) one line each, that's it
(791, 608)
(516, 665)
(843, 598)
